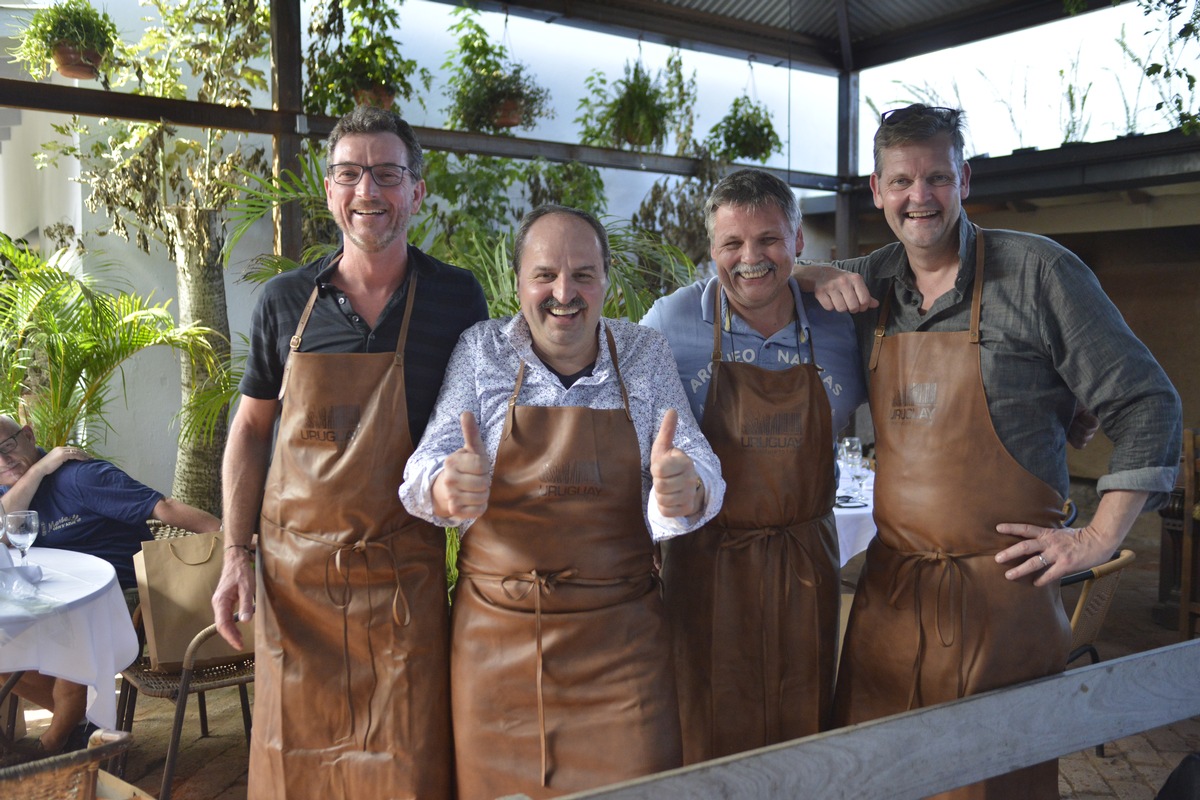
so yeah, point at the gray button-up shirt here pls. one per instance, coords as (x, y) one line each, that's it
(1049, 335)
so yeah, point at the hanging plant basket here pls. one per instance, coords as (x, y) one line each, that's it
(508, 113)
(376, 95)
(72, 62)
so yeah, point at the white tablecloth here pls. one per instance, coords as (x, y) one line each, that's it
(855, 526)
(78, 628)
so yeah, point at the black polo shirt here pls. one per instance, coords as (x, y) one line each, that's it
(449, 300)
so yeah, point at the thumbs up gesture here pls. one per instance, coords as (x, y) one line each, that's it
(460, 491)
(676, 484)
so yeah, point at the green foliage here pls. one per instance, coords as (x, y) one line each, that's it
(482, 196)
(746, 132)
(1168, 65)
(482, 78)
(637, 111)
(72, 21)
(138, 171)
(351, 48)
(63, 338)
(1073, 115)
(674, 209)
(1169, 69)
(644, 267)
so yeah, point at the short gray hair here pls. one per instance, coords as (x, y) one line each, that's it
(753, 189)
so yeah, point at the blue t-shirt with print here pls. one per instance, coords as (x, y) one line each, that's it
(92, 507)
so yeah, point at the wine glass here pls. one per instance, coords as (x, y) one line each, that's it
(22, 529)
(849, 454)
(860, 472)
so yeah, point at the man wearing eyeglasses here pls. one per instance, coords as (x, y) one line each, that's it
(347, 355)
(753, 597)
(87, 506)
(977, 344)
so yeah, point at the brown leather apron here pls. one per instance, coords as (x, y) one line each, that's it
(934, 618)
(560, 658)
(351, 692)
(753, 596)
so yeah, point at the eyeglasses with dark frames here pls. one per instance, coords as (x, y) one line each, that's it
(898, 115)
(348, 174)
(10, 444)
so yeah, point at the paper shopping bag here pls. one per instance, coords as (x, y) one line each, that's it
(176, 580)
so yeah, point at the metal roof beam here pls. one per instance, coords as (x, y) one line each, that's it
(674, 26)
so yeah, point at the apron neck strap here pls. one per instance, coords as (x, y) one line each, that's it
(977, 292)
(612, 352)
(408, 307)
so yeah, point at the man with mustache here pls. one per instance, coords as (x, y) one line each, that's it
(983, 342)
(563, 446)
(351, 692)
(753, 597)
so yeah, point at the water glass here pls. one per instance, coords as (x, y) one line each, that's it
(22, 530)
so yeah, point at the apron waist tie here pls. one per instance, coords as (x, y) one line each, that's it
(337, 569)
(741, 538)
(539, 584)
(913, 570)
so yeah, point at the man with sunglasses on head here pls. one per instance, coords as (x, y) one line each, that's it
(976, 345)
(772, 377)
(347, 354)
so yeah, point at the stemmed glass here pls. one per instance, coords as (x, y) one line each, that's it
(849, 454)
(22, 529)
(860, 472)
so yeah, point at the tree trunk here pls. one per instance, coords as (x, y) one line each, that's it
(199, 236)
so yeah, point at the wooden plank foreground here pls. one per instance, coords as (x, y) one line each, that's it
(942, 747)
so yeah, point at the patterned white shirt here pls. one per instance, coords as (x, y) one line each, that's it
(480, 378)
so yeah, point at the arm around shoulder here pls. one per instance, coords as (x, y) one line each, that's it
(835, 289)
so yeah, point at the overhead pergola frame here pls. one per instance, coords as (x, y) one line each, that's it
(839, 38)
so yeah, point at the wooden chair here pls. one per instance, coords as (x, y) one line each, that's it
(139, 678)
(68, 775)
(1189, 584)
(1095, 598)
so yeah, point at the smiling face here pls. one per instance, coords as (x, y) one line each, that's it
(754, 248)
(372, 217)
(562, 283)
(920, 186)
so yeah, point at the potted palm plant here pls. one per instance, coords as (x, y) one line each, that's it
(488, 90)
(72, 35)
(745, 133)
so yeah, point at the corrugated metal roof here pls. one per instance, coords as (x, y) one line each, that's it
(824, 35)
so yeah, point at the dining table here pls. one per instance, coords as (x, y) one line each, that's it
(855, 520)
(72, 623)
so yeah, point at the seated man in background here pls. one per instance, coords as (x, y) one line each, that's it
(87, 506)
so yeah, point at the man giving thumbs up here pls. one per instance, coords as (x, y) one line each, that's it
(584, 454)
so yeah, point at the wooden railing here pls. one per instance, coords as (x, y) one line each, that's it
(942, 747)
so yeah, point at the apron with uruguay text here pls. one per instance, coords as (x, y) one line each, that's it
(561, 660)
(934, 618)
(753, 596)
(351, 692)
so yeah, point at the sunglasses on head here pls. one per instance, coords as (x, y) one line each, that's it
(897, 115)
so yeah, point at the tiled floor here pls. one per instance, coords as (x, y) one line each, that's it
(214, 768)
